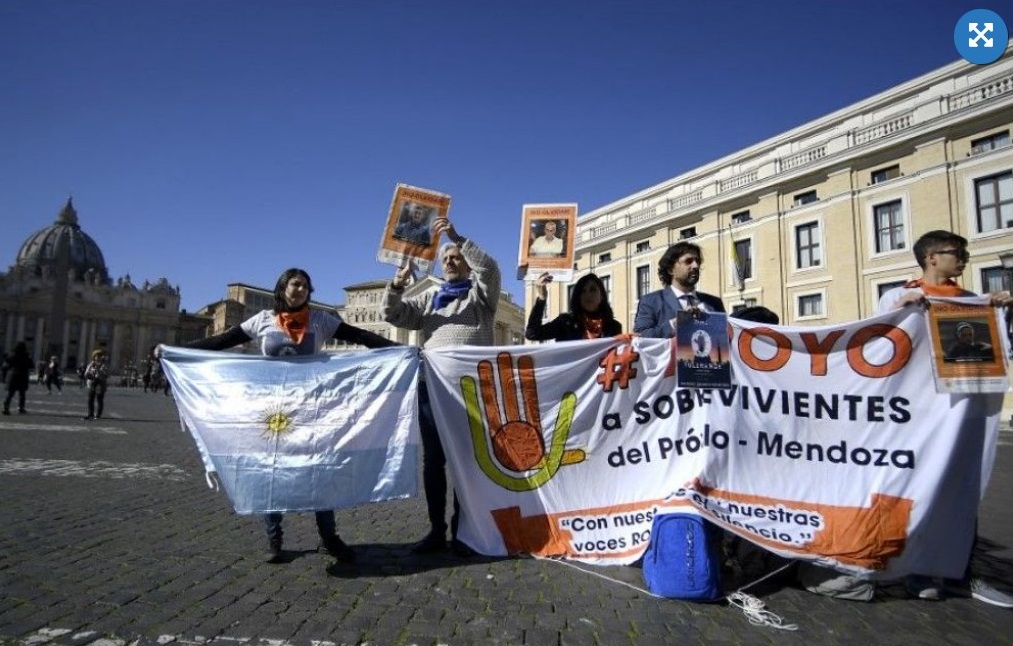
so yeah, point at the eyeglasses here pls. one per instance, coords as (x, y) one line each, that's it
(961, 254)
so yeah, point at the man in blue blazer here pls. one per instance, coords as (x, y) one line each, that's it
(679, 270)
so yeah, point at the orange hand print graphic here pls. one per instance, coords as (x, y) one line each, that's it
(516, 438)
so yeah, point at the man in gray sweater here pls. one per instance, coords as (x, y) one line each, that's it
(461, 312)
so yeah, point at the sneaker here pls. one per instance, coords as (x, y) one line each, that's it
(22, 411)
(337, 548)
(273, 554)
(433, 542)
(88, 417)
(6, 412)
(987, 594)
(923, 587)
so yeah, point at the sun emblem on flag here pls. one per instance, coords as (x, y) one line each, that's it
(277, 423)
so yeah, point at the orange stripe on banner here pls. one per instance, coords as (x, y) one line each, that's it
(529, 390)
(542, 534)
(864, 536)
(487, 386)
(509, 386)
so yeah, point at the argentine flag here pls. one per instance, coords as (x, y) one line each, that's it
(302, 433)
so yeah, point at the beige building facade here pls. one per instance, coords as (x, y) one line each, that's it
(818, 222)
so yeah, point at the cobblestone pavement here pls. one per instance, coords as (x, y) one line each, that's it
(110, 536)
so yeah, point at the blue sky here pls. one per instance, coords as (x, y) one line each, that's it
(213, 141)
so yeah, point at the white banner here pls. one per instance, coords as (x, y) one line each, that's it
(832, 446)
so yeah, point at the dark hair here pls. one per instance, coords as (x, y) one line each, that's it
(280, 304)
(757, 314)
(676, 251)
(935, 240)
(604, 309)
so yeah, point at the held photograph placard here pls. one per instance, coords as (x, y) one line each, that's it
(408, 233)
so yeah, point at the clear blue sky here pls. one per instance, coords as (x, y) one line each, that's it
(222, 141)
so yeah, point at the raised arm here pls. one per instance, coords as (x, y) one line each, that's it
(230, 338)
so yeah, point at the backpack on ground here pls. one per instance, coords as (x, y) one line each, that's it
(681, 561)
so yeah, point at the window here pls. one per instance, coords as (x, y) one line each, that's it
(740, 217)
(994, 197)
(605, 257)
(883, 288)
(810, 305)
(994, 279)
(643, 280)
(805, 198)
(643, 246)
(884, 174)
(688, 232)
(160, 304)
(889, 224)
(607, 281)
(991, 142)
(807, 245)
(743, 258)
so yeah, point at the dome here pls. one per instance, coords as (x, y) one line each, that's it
(43, 248)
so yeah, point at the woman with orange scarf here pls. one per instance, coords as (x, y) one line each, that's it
(590, 315)
(292, 328)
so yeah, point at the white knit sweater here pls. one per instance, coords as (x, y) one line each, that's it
(470, 320)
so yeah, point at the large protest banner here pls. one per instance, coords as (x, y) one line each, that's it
(302, 433)
(832, 445)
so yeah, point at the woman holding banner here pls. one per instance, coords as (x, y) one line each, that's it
(292, 328)
(589, 317)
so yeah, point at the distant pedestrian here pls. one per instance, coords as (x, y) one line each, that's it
(97, 376)
(19, 373)
(54, 377)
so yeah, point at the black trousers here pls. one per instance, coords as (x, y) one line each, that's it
(434, 469)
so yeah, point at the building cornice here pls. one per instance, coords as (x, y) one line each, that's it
(907, 112)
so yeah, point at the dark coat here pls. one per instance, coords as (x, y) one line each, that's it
(656, 309)
(565, 327)
(19, 372)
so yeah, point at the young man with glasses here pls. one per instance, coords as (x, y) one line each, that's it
(943, 255)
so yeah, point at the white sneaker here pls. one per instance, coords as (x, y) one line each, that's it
(985, 593)
(923, 587)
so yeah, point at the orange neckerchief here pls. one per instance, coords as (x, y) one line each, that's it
(947, 289)
(294, 323)
(592, 326)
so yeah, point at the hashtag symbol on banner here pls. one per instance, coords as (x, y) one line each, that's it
(618, 366)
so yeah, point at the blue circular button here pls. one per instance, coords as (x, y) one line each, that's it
(981, 36)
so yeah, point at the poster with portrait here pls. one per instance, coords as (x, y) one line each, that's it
(408, 234)
(968, 353)
(548, 232)
(701, 350)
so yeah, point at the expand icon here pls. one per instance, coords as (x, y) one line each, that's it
(981, 36)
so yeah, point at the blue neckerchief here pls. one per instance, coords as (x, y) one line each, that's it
(450, 292)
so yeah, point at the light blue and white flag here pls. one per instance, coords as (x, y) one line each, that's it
(302, 433)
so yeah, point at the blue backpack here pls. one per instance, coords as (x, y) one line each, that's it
(680, 561)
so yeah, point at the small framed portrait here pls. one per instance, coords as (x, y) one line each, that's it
(548, 233)
(967, 349)
(408, 233)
